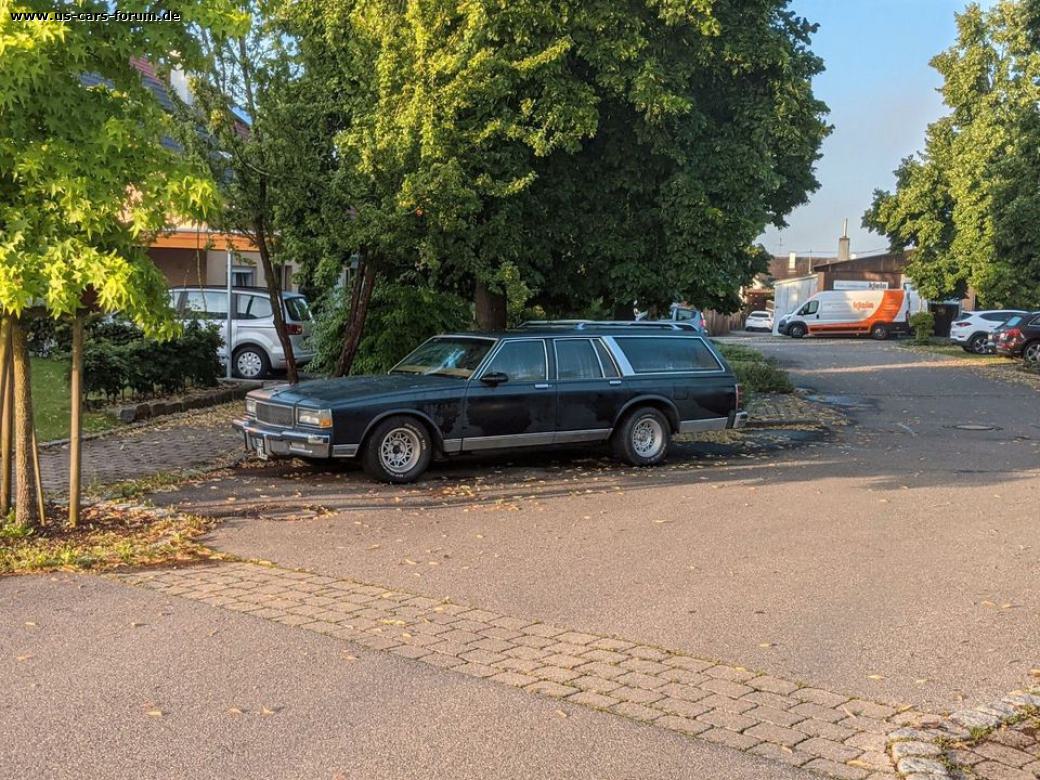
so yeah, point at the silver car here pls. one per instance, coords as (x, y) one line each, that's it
(255, 348)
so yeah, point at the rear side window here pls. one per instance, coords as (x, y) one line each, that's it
(298, 309)
(252, 307)
(654, 355)
(996, 316)
(609, 369)
(576, 359)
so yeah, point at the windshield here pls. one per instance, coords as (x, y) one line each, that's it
(1013, 321)
(446, 356)
(298, 309)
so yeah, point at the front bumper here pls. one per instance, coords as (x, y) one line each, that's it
(267, 441)
(738, 420)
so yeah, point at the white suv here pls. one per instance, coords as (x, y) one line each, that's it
(972, 329)
(255, 348)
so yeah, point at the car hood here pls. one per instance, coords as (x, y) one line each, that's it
(345, 390)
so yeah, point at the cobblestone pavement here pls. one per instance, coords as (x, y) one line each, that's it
(827, 732)
(999, 740)
(183, 441)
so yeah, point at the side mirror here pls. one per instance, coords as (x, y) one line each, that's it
(494, 378)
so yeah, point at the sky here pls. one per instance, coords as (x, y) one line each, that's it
(882, 95)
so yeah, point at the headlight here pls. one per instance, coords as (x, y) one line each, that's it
(319, 418)
(250, 407)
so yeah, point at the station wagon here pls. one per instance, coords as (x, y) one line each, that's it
(473, 392)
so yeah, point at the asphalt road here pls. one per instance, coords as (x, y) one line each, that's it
(101, 680)
(898, 561)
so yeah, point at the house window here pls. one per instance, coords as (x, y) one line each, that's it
(243, 276)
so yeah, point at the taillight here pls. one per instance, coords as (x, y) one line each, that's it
(740, 397)
(293, 330)
(1012, 334)
(963, 324)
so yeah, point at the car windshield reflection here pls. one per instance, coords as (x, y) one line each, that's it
(455, 356)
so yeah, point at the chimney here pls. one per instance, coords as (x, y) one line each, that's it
(843, 242)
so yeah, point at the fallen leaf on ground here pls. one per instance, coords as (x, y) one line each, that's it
(155, 713)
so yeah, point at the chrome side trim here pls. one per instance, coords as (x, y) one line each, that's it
(589, 434)
(711, 424)
(451, 446)
(344, 450)
(475, 443)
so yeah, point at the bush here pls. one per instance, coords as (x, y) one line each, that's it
(117, 357)
(400, 317)
(761, 377)
(923, 325)
(45, 336)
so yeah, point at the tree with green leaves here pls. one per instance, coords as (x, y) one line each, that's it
(968, 207)
(247, 132)
(88, 173)
(589, 149)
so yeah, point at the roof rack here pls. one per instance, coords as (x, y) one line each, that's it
(585, 324)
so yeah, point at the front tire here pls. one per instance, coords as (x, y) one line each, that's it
(251, 363)
(643, 437)
(397, 451)
(796, 330)
(879, 332)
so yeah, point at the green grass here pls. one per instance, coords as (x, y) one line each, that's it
(755, 372)
(51, 402)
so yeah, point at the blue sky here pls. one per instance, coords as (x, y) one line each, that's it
(881, 92)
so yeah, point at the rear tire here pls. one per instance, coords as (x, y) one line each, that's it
(1031, 353)
(879, 332)
(977, 343)
(250, 363)
(796, 330)
(398, 450)
(643, 437)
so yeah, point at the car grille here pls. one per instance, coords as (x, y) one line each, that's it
(275, 414)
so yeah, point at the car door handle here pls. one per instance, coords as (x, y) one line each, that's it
(542, 386)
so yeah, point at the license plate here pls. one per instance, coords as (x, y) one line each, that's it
(261, 450)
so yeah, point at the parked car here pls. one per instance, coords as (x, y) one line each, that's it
(759, 321)
(971, 330)
(1020, 337)
(471, 392)
(584, 324)
(875, 313)
(255, 347)
(678, 312)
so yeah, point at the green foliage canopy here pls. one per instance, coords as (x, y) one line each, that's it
(969, 205)
(602, 150)
(87, 169)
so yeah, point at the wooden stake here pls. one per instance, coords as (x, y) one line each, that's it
(6, 415)
(75, 424)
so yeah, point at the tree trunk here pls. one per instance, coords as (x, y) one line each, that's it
(6, 415)
(360, 297)
(75, 425)
(27, 510)
(274, 289)
(490, 307)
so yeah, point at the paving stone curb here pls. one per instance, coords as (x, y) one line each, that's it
(940, 748)
(829, 733)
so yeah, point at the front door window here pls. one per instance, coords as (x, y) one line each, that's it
(521, 361)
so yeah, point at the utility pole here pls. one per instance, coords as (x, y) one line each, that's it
(227, 340)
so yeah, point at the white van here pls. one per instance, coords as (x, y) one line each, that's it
(875, 313)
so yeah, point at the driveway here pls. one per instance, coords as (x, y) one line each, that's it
(892, 563)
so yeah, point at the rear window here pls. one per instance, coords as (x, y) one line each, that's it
(576, 359)
(298, 308)
(759, 314)
(1013, 321)
(651, 354)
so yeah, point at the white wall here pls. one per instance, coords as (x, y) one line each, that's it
(789, 294)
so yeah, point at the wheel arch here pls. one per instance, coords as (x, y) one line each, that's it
(665, 405)
(435, 433)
